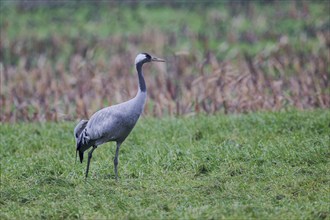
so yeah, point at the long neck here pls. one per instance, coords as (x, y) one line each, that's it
(141, 96)
(142, 84)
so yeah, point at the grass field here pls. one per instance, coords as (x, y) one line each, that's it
(258, 165)
(214, 152)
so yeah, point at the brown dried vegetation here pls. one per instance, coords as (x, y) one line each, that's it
(189, 83)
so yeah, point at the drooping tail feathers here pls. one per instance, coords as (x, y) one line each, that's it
(78, 134)
(81, 156)
(82, 144)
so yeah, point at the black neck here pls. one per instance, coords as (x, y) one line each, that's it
(142, 84)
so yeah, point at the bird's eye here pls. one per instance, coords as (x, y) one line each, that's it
(148, 56)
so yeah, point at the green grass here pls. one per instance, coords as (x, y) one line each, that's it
(55, 32)
(261, 165)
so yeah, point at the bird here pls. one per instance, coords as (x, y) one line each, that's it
(113, 123)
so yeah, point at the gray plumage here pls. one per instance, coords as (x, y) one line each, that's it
(113, 123)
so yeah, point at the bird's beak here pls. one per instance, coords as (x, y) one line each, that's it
(156, 59)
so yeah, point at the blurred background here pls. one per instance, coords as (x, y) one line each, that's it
(63, 60)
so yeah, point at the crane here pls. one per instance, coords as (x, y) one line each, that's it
(113, 123)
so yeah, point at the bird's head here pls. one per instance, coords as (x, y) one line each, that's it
(145, 58)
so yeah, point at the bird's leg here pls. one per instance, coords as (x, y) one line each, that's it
(89, 159)
(115, 161)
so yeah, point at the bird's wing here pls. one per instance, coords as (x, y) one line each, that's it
(97, 125)
(79, 128)
(103, 123)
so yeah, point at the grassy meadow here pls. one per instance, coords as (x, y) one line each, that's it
(236, 125)
(258, 165)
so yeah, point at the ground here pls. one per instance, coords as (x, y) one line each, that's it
(258, 165)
